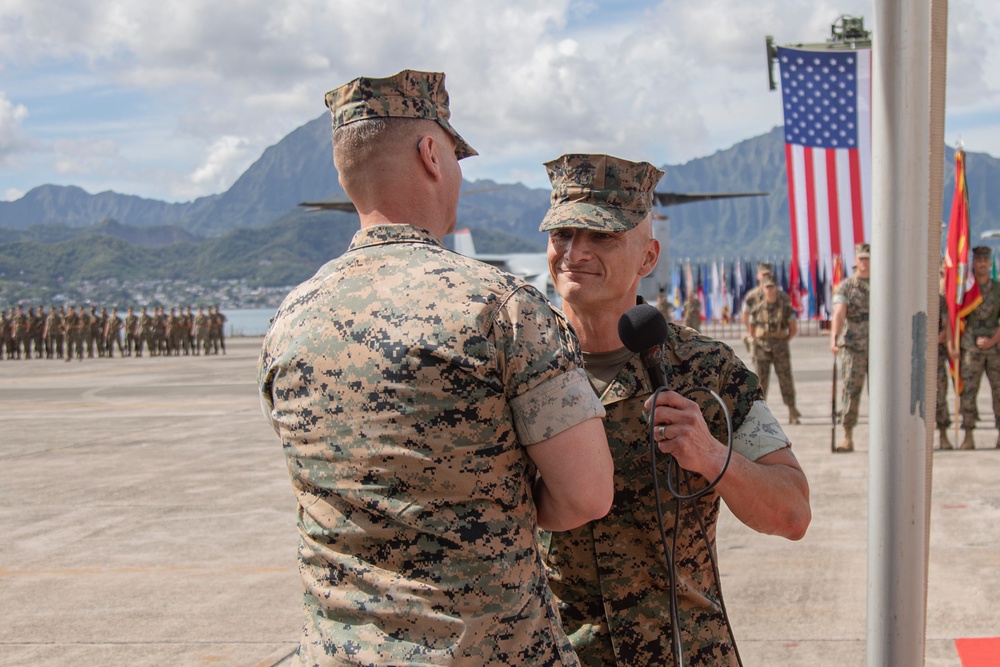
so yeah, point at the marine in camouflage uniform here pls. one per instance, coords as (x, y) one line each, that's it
(410, 407)
(7, 334)
(978, 345)
(773, 323)
(72, 325)
(691, 311)
(664, 305)
(755, 294)
(750, 300)
(218, 329)
(98, 322)
(113, 334)
(87, 330)
(610, 575)
(159, 332)
(187, 332)
(144, 328)
(942, 412)
(38, 333)
(202, 327)
(849, 340)
(173, 333)
(54, 333)
(133, 343)
(22, 334)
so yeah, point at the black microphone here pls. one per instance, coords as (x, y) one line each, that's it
(642, 329)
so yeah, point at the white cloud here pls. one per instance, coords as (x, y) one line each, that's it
(12, 194)
(667, 81)
(225, 160)
(13, 139)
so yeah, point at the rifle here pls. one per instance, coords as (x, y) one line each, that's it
(833, 419)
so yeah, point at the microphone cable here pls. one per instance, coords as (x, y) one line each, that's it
(677, 474)
(643, 330)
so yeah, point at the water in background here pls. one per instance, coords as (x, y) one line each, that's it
(248, 322)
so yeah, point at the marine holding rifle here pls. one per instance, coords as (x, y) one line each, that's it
(849, 340)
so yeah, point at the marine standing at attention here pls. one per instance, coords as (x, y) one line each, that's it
(434, 412)
(978, 345)
(773, 323)
(691, 311)
(849, 340)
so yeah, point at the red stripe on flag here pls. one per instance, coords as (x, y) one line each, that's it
(857, 210)
(791, 200)
(833, 199)
(807, 158)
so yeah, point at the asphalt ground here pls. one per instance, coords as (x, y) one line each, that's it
(147, 519)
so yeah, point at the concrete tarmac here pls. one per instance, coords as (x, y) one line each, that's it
(147, 519)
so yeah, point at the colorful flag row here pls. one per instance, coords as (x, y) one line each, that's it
(722, 285)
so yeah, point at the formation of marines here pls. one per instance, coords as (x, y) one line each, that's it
(65, 332)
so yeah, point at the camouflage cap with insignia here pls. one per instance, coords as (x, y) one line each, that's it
(765, 267)
(863, 250)
(982, 251)
(599, 192)
(408, 94)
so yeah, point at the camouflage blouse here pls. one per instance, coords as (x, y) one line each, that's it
(983, 321)
(772, 319)
(855, 292)
(404, 381)
(610, 575)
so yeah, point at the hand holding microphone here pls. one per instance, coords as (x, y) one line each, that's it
(677, 424)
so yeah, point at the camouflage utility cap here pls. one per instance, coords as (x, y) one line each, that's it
(765, 267)
(981, 251)
(409, 94)
(599, 192)
(863, 251)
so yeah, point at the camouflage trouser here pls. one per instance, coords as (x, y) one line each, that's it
(56, 343)
(110, 341)
(74, 343)
(974, 362)
(853, 371)
(767, 351)
(22, 342)
(942, 414)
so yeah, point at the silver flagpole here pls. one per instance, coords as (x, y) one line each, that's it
(901, 418)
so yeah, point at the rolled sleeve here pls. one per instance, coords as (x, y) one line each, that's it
(759, 434)
(554, 406)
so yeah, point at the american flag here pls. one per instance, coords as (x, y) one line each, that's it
(826, 97)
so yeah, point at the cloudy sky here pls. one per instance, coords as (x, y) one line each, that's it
(175, 99)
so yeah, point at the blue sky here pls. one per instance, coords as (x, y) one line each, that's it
(175, 100)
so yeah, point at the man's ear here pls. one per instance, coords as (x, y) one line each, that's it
(650, 257)
(427, 148)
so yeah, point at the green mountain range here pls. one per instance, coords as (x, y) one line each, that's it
(257, 233)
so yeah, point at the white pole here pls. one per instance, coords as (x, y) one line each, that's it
(901, 419)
